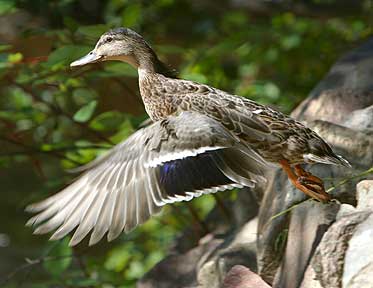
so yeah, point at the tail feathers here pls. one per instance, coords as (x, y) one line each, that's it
(327, 159)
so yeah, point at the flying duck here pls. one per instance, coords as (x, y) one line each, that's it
(202, 140)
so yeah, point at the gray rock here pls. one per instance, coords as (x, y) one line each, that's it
(361, 119)
(358, 261)
(344, 257)
(309, 221)
(327, 264)
(178, 270)
(347, 87)
(242, 277)
(272, 232)
(271, 243)
(329, 110)
(355, 146)
(238, 249)
(364, 191)
(363, 279)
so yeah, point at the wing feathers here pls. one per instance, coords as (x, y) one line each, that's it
(176, 160)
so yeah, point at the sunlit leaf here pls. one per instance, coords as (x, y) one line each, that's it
(107, 121)
(15, 58)
(7, 6)
(85, 113)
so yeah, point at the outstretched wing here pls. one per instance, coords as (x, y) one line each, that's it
(172, 160)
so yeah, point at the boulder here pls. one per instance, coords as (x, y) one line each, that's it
(242, 277)
(346, 88)
(340, 110)
(310, 220)
(178, 270)
(237, 249)
(344, 257)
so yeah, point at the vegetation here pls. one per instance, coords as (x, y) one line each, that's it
(53, 118)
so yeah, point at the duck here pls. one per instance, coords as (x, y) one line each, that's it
(202, 140)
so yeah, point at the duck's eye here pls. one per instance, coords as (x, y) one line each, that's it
(109, 39)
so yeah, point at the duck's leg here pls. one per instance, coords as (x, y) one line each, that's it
(302, 173)
(305, 182)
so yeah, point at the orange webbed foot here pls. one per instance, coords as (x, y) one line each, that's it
(306, 182)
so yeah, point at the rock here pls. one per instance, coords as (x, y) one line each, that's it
(237, 249)
(361, 119)
(279, 196)
(309, 221)
(178, 270)
(326, 266)
(344, 257)
(346, 88)
(245, 207)
(272, 233)
(358, 261)
(364, 191)
(339, 109)
(355, 146)
(242, 277)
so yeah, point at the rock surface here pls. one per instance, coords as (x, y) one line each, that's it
(241, 277)
(339, 109)
(344, 257)
(346, 88)
(310, 220)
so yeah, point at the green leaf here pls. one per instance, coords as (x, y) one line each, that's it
(15, 58)
(107, 121)
(66, 54)
(93, 31)
(131, 15)
(7, 6)
(193, 76)
(125, 130)
(120, 69)
(4, 47)
(118, 257)
(85, 113)
(59, 259)
(83, 96)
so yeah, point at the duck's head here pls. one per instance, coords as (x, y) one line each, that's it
(125, 45)
(121, 44)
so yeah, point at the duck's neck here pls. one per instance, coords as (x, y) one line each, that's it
(146, 60)
(153, 89)
(153, 76)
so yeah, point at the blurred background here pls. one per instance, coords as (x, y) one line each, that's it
(53, 118)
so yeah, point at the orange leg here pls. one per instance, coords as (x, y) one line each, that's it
(299, 171)
(305, 182)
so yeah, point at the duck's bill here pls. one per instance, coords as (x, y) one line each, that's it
(91, 57)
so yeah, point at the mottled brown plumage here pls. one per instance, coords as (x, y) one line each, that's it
(203, 140)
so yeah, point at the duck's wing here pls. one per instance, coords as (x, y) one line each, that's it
(172, 160)
(239, 115)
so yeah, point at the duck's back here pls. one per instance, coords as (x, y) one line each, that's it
(271, 133)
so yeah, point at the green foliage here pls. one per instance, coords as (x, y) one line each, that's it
(59, 258)
(51, 112)
(85, 113)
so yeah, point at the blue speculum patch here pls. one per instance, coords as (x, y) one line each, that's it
(191, 174)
